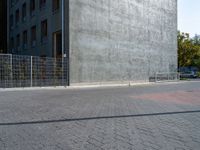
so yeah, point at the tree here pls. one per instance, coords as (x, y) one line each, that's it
(188, 50)
(196, 60)
(196, 40)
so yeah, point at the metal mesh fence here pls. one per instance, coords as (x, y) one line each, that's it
(31, 71)
(171, 76)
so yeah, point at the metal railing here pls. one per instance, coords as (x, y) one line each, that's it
(32, 71)
(169, 76)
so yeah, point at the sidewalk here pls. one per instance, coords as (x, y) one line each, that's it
(90, 86)
(163, 116)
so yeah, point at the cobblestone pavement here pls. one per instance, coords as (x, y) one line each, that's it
(153, 117)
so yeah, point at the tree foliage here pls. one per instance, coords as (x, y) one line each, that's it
(188, 50)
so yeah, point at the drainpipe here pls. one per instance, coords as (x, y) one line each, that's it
(63, 30)
(63, 40)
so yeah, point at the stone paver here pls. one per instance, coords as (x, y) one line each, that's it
(155, 117)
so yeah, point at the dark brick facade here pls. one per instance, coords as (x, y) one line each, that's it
(3, 26)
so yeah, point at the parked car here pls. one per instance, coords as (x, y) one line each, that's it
(190, 74)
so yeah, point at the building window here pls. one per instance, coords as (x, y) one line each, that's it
(24, 12)
(32, 7)
(17, 17)
(44, 31)
(57, 44)
(55, 5)
(42, 3)
(12, 44)
(18, 42)
(11, 22)
(33, 36)
(11, 3)
(25, 39)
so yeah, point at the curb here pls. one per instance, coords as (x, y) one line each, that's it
(94, 86)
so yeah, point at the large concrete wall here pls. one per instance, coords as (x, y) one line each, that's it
(115, 40)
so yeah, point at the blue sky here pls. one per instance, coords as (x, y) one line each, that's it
(189, 16)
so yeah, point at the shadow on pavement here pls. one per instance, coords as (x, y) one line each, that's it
(97, 118)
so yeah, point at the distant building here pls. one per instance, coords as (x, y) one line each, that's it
(3, 26)
(105, 40)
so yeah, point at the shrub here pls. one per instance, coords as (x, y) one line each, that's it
(198, 74)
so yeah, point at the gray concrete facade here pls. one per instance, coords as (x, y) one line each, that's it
(122, 40)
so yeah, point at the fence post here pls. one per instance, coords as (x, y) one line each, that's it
(156, 77)
(31, 71)
(168, 76)
(178, 76)
(54, 72)
(11, 70)
(63, 70)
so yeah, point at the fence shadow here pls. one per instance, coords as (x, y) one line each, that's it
(96, 118)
